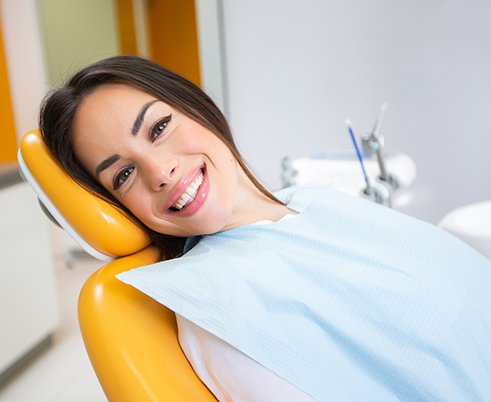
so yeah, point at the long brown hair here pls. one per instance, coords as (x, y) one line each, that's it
(59, 107)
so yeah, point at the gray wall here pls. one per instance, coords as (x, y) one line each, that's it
(297, 70)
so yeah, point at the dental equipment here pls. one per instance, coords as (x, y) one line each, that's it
(340, 169)
(374, 143)
(358, 154)
(369, 191)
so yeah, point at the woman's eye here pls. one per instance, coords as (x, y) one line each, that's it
(121, 177)
(159, 127)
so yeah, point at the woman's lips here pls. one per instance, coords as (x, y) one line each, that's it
(190, 193)
(188, 196)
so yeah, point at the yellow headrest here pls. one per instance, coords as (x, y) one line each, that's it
(99, 227)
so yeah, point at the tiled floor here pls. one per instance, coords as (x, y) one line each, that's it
(62, 373)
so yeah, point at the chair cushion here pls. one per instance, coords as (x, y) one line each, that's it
(100, 228)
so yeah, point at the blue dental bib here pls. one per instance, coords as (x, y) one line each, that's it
(348, 300)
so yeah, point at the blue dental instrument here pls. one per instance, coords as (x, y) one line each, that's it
(368, 189)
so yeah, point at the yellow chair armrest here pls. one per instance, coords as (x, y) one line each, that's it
(132, 340)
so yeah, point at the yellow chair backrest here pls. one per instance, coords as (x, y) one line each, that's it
(131, 339)
(99, 227)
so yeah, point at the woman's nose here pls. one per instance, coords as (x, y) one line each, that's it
(160, 172)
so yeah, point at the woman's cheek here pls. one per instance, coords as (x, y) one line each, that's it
(139, 205)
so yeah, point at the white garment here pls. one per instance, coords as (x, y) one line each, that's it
(229, 373)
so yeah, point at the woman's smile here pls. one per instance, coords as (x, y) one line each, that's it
(190, 194)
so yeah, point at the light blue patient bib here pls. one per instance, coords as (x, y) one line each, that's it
(348, 301)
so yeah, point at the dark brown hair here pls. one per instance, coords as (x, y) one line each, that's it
(59, 107)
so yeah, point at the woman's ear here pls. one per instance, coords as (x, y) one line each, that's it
(99, 227)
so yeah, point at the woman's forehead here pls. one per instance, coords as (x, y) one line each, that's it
(114, 105)
(115, 93)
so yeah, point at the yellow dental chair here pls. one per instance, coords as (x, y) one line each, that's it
(131, 339)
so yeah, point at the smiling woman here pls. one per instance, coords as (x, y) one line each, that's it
(172, 173)
(304, 295)
(141, 136)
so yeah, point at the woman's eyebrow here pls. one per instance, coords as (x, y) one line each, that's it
(105, 164)
(141, 115)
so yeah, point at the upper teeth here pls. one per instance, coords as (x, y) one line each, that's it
(190, 192)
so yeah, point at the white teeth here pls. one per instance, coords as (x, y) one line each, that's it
(190, 192)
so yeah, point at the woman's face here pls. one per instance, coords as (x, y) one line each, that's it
(176, 176)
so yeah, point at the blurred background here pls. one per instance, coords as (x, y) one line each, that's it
(285, 73)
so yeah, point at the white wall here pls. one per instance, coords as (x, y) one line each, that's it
(296, 70)
(208, 19)
(24, 54)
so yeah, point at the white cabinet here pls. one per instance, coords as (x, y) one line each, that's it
(28, 308)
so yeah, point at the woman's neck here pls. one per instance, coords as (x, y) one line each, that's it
(254, 206)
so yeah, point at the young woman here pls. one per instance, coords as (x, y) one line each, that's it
(303, 295)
